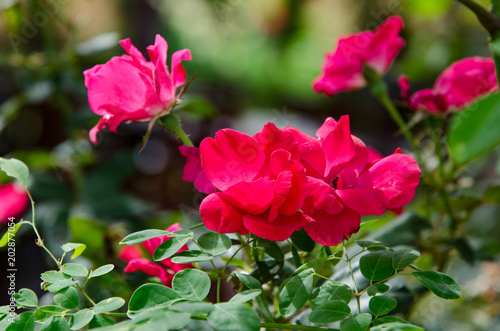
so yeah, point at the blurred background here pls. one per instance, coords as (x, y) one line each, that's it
(254, 62)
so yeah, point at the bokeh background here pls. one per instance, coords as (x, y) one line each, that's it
(254, 62)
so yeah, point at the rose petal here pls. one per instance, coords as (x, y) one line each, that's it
(220, 216)
(330, 229)
(280, 229)
(253, 197)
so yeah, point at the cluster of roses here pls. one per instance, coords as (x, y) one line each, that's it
(282, 180)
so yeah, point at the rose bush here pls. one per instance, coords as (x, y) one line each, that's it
(130, 88)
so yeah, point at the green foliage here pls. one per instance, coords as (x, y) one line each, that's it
(295, 293)
(230, 317)
(191, 257)
(169, 248)
(403, 258)
(381, 305)
(474, 131)
(329, 292)
(330, 311)
(101, 270)
(191, 284)
(78, 249)
(214, 243)
(74, 269)
(359, 322)
(141, 236)
(440, 284)
(26, 297)
(15, 169)
(10, 233)
(80, 319)
(67, 298)
(151, 295)
(245, 296)
(376, 266)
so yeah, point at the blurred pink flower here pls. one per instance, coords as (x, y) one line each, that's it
(13, 201)
(457, 86)
(136, 261)
(343, 68)
(130, 88)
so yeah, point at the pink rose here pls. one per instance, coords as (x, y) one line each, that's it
(136, 262)
(193, 171)
(130, 88)
(459, 85)
(13, 201)
(343, 68)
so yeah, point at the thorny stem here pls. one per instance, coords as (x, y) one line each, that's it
(172, 123)
(356, 292)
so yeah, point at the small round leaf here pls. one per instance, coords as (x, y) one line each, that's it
(330, 311)
(381, 305)
(377, 265)
(214, 243)
(108, 305)
(191, 284)
(360, 322)
(230, 317)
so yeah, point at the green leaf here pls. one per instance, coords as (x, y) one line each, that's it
(191, 307)
(330, 292)
(67, 298)
(80, 319)
(9, 234)
(16, 169)
(271, 248)
(101, 270)
(53, 276)
(368, 243)
(396, 327)
(214, 243)
(191, 284)
(474, 130)
(44, 313)
(330, 311)
(230, 317)
(79, 248)
(99, 320)
(295, 293)
(23, 322)
(169, 248)
(377, 265)
(377, 288)
(403, 258)
(75, 270)
(360, 322)
(440, 284)
(381, 305)
(388, 319)
(248, 280)
(191, 257)
(151, 295)
(141, 236)
(302, 240)
(26, 297)
(55, 323)
(108, 305)
(4, 310)
(245, 296)
(162, 319)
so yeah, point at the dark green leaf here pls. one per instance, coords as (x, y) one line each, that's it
(403, 257)
(214, 243)
(396, 327)
(151, 295)
(16, 169)
(245, 296)
(368, 243)
(381, 305)
(23, 322)
(295, 293)
(231, 317)
(191, 284)
(169, 248)
(302, 240)
(388, 319)
(67, 298)
(79, 248)
(26, 297)
(271, 248)
(377, 265)
(474, 130)
(377, 288)
(465, 250)
(80, 319)
(101, 270)
(108, 305)
(248, 280)
(99, 321)
(75, 270)
(440, 284)
(191, 257)
(330, 292)
(55, 323)
(330, 311)
(360, 322)
(141, 236)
